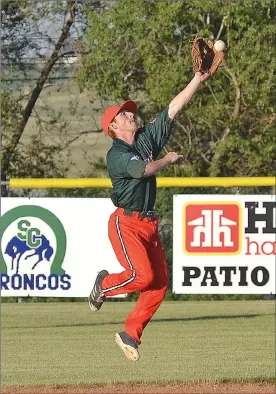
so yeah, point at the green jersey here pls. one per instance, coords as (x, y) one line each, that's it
(126, 165)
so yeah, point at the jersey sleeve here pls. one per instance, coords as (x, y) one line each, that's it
(128, 165)
(156, 133)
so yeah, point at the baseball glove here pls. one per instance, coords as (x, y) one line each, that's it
(205, 58)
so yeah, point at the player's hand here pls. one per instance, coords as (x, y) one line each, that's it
(173, 158)
(201, 76)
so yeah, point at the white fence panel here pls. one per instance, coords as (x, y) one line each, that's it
(54, 247)
(224, 244)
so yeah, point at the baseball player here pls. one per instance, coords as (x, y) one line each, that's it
(132, 164)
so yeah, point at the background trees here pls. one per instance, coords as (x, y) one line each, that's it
(42, 44)
(141, 50)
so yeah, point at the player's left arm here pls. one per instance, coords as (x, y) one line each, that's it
(158, 131)
(186, 94)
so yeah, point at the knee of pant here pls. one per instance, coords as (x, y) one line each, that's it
(145, 280)
(163, 282)
(165, 288)
(160, 292)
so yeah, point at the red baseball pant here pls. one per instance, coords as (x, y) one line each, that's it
(139, 250)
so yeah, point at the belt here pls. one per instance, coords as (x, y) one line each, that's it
(143, 214)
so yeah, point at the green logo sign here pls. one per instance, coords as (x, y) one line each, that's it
(30, 238)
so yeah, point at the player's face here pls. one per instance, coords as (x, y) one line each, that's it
(126, 122)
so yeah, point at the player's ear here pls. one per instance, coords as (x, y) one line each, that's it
(113, 126)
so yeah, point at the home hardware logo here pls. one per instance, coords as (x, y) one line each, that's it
(23, 242)
(212, 228)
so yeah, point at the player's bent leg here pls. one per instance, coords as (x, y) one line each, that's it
(126, 282)
(148, 303)
(150, 298)
(129, 240)
(96, 297)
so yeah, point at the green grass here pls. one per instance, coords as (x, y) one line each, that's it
(64, 343)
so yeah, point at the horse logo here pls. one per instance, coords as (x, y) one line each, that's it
(16, 247)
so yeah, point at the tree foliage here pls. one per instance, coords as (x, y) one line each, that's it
(42, 43)
(142, 50)
(39, 158)
(14, 32)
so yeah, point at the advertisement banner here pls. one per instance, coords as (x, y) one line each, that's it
(54, 247)
(224, 244)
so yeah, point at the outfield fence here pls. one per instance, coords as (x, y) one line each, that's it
(223, 241)
(71, 183)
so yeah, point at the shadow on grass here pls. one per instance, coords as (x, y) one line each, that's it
(210, 318)
(166, 320)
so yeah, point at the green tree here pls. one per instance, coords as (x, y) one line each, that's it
(142, 50)
(39, 158)
(12, 140)
(14, 31)
(36, 37)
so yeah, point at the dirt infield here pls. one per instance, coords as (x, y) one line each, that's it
(148, 389)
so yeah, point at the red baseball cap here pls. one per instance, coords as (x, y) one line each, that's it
(112, 111)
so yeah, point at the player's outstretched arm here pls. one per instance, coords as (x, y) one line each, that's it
(186, 94)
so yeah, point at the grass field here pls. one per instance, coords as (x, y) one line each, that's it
(66, 344)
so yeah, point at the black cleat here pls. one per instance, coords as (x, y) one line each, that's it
(96, 297)
(128, 345)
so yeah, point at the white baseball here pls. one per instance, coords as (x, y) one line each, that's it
(219, 46)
